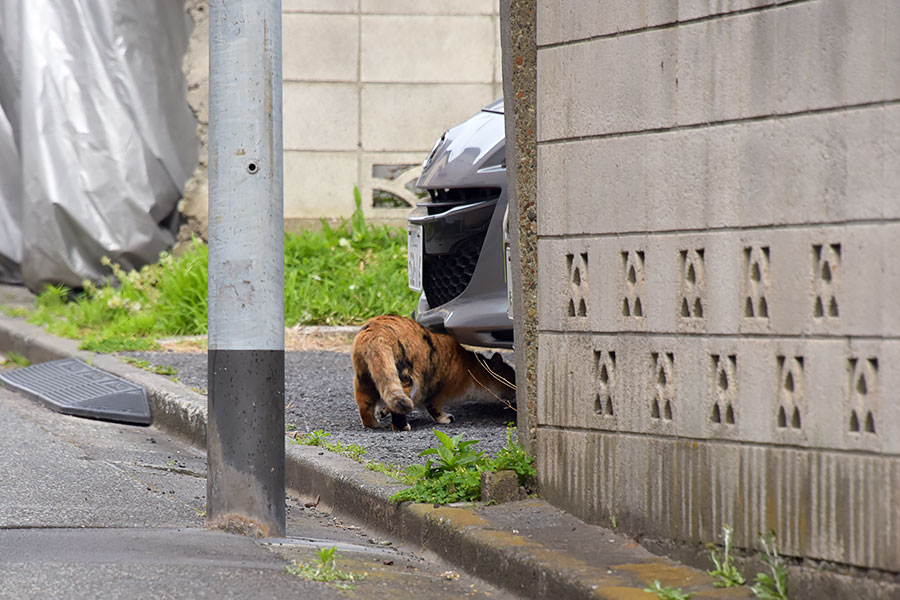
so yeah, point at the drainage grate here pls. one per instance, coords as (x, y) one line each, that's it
(73, 387)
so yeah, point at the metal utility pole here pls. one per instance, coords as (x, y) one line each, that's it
(245, 431)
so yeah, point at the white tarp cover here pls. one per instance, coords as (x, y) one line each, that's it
(96, 137)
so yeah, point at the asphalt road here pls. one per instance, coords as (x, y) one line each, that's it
(91, 509)
(319, 395)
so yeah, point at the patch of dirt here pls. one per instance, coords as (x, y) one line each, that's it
(307, 337)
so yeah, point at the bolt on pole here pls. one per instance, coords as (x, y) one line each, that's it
(245, 431)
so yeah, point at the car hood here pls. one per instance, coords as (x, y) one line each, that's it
(471, 154)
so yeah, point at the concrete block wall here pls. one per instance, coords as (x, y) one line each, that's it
(369, 87)
(718, 199)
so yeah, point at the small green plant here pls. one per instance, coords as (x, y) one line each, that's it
(326, 570)
(725, 573)
(774, 586)
(389, 469)
(453, 454)
(147, 366)
(614, 522)
(17, 359)
(513, 456)
(456, 474)
(353, 451)
(665, 592)
(313, 438)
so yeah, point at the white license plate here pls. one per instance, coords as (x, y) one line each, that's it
(509, 287)
(414, 257)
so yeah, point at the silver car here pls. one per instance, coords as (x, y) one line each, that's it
(457, 251)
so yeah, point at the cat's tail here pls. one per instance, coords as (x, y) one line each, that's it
(379, 358)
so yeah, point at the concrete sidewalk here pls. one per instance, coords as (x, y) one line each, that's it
(529, 547)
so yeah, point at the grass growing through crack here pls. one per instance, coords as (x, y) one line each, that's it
(325, 570)
(774, 586)
(339, 275)
(455, 474)
(318, 438)
(725, 573)
(16, 359)
(147, 366)
(666, 592)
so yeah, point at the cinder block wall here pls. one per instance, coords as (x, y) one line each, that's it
(369, 87)
(718, 221)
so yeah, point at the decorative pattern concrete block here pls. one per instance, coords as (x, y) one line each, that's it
(740, 341)
(692, 295)
(606, 396)
(662, 394)
(427, 49)
(319, 184)
(631, 285)
(393, 173)
(826, 276)
(723, 393)
(320, 47)
(791, 397)
(320, 116)
(577, 278)
(756, 287)
(567, 301)
(417, 113)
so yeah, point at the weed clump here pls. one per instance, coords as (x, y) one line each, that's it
(456, 474)
(325, 570)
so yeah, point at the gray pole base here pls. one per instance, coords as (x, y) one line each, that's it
(245, 442)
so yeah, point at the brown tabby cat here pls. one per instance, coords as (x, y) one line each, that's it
(399, 363)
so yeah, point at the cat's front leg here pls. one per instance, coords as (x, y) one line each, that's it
(399, 422)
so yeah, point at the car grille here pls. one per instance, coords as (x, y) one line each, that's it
(443, 200)
(445, 276)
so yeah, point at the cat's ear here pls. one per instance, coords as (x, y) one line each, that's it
(496, 361)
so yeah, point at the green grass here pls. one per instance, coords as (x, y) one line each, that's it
(339, 275)
(666, 592)
(145, 365)
(16, 359)
(325, 570)
(455, 475)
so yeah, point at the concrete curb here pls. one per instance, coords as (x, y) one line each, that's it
(528, 547)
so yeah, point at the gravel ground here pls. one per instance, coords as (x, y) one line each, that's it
(319, 395)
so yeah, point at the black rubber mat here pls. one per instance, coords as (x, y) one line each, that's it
(72, 387)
